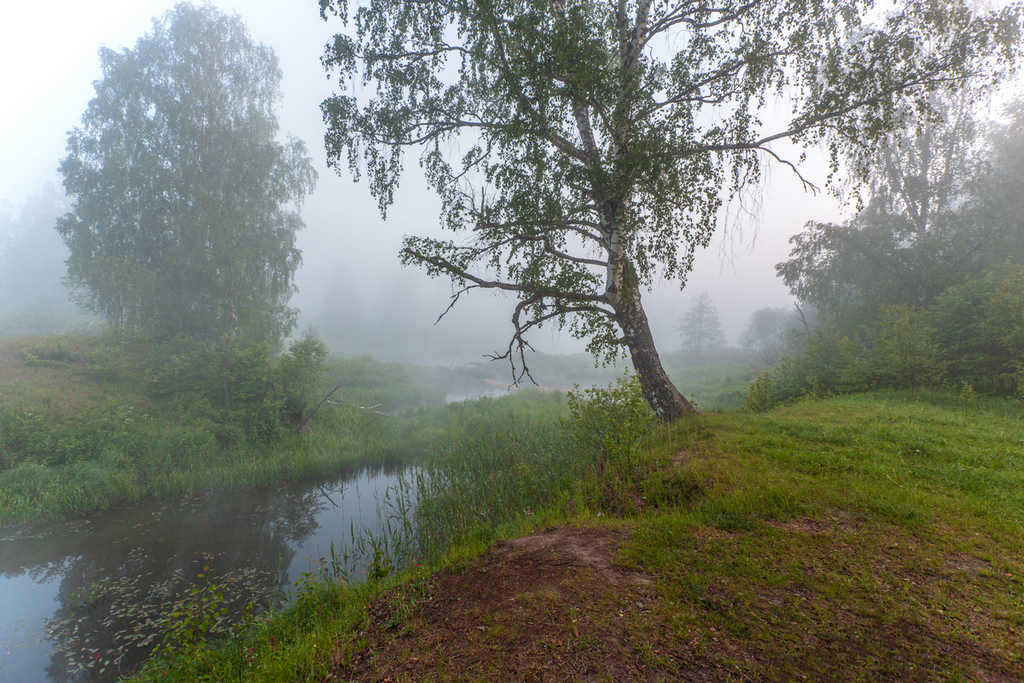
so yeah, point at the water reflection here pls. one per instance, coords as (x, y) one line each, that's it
(116, 574)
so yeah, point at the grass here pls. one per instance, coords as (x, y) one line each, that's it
(79, 432)
(859, 538)
(866, 537)
(716, 384)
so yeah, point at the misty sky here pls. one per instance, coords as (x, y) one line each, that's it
(50, 55)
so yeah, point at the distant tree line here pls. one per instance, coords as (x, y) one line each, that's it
(769, 335)
(925, 285)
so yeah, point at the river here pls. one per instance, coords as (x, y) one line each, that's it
(87, 594)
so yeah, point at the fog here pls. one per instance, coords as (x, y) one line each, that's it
(351, 285)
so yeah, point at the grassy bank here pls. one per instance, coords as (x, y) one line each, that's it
(867, 537)
(88, 423)
(82, 430)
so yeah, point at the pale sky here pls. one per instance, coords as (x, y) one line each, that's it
(50, 54)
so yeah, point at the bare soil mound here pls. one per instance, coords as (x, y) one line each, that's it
(552, 606)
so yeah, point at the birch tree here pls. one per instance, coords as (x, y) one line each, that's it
(185, 203)
(583, 148)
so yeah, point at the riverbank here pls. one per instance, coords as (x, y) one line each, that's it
(83, 428)
(868, 537)
(90, 423)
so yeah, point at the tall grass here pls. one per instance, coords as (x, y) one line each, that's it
(501, 461)
(484, 467)
(492, 480)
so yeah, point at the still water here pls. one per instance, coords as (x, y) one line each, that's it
(88, 593)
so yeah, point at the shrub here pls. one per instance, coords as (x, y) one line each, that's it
(761, 395)
(611, 421)
(300, 375)
(906, 356)
(979, 329)
(256, 400)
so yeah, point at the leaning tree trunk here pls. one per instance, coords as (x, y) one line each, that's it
(667, 401)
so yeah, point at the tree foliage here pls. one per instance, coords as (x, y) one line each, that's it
(186, 205)
(906, 352)
(876, 259)
(972, 337)
(997, 194)
(588, 147)
(925, 279)
(979, 327)
(946, 204)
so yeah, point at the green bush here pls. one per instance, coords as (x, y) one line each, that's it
(31, 436)
(906, 356)
(55, 351)
(761, 394)
(300, 375)
(255, 399)
(610, 421)
(898, 351)
(979, 330)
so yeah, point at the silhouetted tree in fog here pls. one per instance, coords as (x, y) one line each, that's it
(767, 333)
(701, 327)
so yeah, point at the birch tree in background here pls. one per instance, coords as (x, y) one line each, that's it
(185, 203)
(701, 328)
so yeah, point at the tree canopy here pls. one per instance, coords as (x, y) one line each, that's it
(946, 204)
(185, 204)
(587, 148)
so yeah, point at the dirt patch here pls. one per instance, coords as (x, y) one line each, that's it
(832, 523)
(552, 606)
(814, 602)
(811, 527)
(570, 547)
(968, 565)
